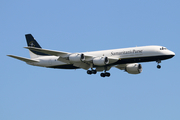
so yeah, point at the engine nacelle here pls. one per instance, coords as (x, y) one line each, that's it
(100, 61)
(76, 57)
(133, 68)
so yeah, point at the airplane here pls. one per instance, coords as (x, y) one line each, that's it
(126, 59)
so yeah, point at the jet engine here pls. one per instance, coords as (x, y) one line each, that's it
(133, 68)
(100, 61)
(76, 57)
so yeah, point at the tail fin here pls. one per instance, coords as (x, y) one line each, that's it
(31, 42)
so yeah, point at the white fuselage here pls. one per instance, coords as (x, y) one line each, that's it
(135, 54)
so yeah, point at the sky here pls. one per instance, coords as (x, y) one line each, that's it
(36, 93)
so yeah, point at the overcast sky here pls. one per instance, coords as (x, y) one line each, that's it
(35, 93)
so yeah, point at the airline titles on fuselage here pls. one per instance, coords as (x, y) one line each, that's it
(127, 52)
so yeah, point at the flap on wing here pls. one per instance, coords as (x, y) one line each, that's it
(50, 52)
(121, 66)
(23, 59)
(82, 65)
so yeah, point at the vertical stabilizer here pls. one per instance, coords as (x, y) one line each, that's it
(31, 42)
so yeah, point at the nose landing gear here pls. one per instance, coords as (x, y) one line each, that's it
(158, 66)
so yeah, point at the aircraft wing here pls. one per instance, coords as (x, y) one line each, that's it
(50, 52)
(64, 55)
(121, 66)
(23, 59)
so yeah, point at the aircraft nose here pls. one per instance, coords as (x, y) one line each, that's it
(171, 53)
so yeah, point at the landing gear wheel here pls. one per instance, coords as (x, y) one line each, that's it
(107, 74)
(89, 72)
(102, 75)
(94, 71)
(158, 66)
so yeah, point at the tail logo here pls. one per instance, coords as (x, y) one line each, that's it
(31, 44)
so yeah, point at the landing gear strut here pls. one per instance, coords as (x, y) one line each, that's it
(158, 66)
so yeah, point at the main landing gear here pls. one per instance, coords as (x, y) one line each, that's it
(158, 66)
(91, 72)
(105, 74)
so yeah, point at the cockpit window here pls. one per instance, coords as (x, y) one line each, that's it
(163, 48)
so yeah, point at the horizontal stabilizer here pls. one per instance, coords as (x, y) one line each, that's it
(50, 52)
(23, 59)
